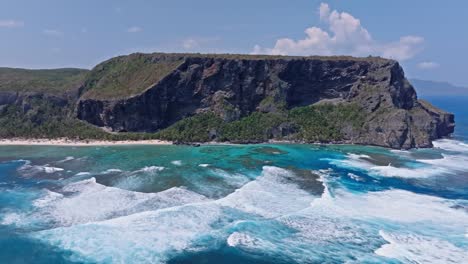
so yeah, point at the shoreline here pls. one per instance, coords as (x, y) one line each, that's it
(156, 142)
(73, 142)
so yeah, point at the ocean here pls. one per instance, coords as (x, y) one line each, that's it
(267, 203)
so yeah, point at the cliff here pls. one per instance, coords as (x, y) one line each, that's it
(243, 98)
(236, 87)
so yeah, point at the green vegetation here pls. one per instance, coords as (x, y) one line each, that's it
(193, 129)
(230, 56)
(46, 81)
(319, 123)
(255, 127)
(42, 118)
(324, 123)
(126, 76)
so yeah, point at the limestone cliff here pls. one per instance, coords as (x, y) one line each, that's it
(234, 87)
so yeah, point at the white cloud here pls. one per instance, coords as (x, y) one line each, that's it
(344, 35)
(52, 32)
(190, 43)
(134, 29)
(428, 65)
(11, 23)
(199, 42)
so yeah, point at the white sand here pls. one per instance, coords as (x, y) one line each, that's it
(73, 142)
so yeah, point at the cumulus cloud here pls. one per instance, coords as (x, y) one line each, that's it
(11, 23)
(344, 35)
(134, 29)
(52, 32)
(427, 65)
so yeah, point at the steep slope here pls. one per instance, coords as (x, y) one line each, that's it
(292, 93)
(40, 104)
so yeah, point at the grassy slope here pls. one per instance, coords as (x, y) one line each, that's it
(45, 81)
(126, 76)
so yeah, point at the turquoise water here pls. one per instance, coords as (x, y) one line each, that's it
(235, 204)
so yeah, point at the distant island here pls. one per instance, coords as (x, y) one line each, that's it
(222, 98)
(434, 88)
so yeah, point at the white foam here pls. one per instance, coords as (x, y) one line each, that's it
(66, 159)
(87, 201)
(29, 170)
(450, 162)
(391, 171)
(355, 177)
(135, 179)
(238, 239)
(84, 173)
(151, 169)
(351, 219)
(389, 205)
(48, 198)
(146, 237)
(420, 249)
(234, 179)
(269, 195)
(48, 169)
(177, 162)
(203, 165)
(10, 219)
(111, 171)
(356, 162)
(451, 145)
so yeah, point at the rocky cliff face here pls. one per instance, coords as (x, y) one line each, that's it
(235, 88)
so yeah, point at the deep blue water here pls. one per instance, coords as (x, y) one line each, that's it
(237, 204)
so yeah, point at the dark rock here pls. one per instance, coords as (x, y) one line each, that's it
(235, 88)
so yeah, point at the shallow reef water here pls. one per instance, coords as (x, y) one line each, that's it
(270, 203)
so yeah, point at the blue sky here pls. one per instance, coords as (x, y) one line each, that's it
(429, 38)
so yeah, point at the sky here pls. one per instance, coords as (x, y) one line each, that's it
(429, 38)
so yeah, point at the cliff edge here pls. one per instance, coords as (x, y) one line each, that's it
(235, 98)
(235, 87)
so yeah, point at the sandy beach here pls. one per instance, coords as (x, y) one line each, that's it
(69, 142)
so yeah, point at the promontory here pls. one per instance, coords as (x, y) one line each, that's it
(223, 98)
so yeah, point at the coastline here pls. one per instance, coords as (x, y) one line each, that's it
(73, 142)
(84, 143)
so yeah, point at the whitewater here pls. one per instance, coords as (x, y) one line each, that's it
(234, 204)
(266, 203)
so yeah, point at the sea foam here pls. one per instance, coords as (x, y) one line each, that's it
(449, 164)
(269, 195)
(451, 145)
(145, 237)
(420, 249)
(88, 201)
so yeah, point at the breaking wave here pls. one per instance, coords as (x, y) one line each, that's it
(451, 145)
(420, 249)
(270, 215)
(88, 201)
(29, 170)
(423, 168)
(263, 196)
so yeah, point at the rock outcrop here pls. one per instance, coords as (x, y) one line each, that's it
(236, 87)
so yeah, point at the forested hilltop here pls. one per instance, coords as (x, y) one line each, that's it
(235, 98)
